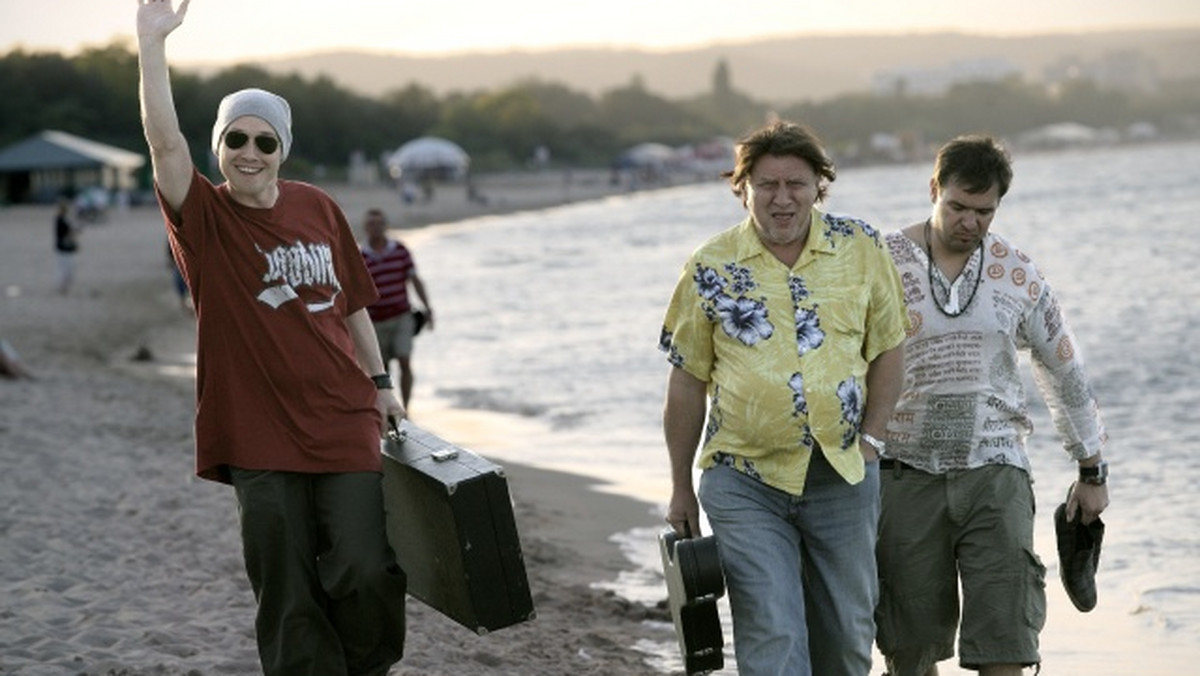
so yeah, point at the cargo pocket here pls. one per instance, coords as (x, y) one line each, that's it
(908, 647)
(1035, 597)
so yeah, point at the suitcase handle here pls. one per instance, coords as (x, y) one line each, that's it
(394, 433)
(399, 436)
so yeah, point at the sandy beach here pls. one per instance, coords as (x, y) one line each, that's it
(115, 559)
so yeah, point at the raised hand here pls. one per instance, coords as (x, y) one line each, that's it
(168, 147)
(157, 18)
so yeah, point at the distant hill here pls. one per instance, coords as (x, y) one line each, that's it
(782, 70)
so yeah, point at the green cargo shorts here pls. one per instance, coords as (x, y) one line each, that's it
(937, 531)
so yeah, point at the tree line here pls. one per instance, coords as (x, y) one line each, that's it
(94, 94)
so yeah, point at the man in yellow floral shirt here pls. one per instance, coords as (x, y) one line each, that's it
(790, 325)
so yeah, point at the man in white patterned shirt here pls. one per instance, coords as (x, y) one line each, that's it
(957, 497)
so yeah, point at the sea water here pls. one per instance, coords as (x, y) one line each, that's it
(553, 318)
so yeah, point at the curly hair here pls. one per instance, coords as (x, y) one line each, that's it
(781, 139)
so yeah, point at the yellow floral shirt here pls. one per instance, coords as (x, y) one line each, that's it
(785, 350)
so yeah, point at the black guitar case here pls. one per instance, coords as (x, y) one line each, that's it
(450, 521)
(692, 567)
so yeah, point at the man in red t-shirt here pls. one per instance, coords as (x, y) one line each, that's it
(391, 266)
(291, 390)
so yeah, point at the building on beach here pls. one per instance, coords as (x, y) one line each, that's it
(53, 163)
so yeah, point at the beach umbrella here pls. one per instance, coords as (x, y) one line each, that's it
(648, 155)
(428, 155)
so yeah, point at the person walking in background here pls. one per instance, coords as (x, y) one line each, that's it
(396, 322)
(790, 325)
(66, 245)
(178, 283)
(11, 365)
(958, 504)
(291, 391)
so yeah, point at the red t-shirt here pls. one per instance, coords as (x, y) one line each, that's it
(278, 386)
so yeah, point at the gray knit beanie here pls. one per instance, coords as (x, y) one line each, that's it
(272, 108)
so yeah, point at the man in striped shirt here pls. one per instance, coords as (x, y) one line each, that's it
(391, 266)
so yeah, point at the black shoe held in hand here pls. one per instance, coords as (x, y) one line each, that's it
(1078, 556)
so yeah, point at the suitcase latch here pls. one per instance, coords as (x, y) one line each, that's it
(444, 454)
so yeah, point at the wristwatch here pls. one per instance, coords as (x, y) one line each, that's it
(880, 446)
(1097, 475)
(382, 381)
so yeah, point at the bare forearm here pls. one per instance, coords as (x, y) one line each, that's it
(885, 379)
(419, 287)
(159, 120)
(683, 423)
(366, 350)
(168, 148)
(366, 345)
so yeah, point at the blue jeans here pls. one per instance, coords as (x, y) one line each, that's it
(800, 571)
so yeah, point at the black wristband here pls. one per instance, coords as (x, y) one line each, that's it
(1096, 475)
(382, 381)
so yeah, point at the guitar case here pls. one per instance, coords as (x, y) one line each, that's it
(692, 567)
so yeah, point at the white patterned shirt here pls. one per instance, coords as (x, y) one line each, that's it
(963, 404)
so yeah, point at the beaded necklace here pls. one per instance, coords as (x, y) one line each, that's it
(929, 257)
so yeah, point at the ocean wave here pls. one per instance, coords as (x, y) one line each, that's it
(497, 401)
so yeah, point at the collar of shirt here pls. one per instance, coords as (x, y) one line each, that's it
(819, 241)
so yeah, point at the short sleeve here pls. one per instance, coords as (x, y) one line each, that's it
(888, 316)
(687, 330)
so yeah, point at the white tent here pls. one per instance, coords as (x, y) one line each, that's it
(44, 165)
(1061, 134)
(428, 155)
(648, 155)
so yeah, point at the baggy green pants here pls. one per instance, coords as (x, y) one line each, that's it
(330, 595)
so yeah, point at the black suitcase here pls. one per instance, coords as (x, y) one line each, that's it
(450, 522)
(695, 581)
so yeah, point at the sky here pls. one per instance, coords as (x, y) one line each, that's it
(218, 31)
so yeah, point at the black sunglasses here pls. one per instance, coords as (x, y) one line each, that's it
(266, 144)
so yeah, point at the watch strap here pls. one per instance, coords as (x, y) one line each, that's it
(878, 444)
(1096, 474)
